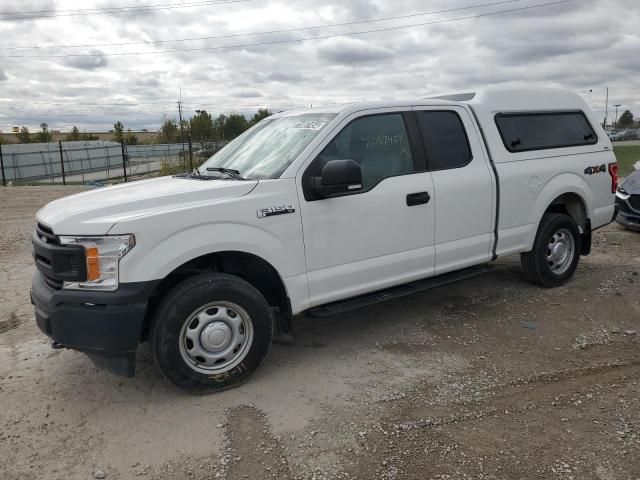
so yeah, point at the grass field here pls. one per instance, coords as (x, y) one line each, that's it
(627, 156)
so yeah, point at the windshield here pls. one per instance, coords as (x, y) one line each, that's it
(266, 150)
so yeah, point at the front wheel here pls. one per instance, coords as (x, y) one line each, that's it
(211, 332)
(556, 251)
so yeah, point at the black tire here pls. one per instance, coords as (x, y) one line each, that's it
(534, 263)
(185, 299)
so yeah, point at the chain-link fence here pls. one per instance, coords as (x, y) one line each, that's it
(95, 161)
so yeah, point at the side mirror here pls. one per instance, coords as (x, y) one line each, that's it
(338, 176)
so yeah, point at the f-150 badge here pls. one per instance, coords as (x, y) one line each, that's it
(277, 210)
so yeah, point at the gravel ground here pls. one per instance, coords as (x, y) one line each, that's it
(491, 378)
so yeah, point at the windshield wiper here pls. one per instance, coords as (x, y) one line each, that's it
(235, 174)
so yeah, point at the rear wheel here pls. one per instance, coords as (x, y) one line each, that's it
(211, 332)
(555, 253)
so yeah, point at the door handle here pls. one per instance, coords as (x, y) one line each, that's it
(419, 198)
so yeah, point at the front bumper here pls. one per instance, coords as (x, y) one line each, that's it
(105, 325)
(627, 216)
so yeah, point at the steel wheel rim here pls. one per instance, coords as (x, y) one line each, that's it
(216, 337)
(561, 250)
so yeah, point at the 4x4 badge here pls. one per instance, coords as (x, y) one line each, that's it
(277, 210)
(596, 169)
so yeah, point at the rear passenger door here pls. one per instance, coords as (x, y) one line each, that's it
(463, 187)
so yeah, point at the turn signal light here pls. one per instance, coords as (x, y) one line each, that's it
(93, 263)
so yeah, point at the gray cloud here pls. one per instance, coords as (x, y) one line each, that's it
(348, 51)
(23, 8)
(97, 60)
(583, 45)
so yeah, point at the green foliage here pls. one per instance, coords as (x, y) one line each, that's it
(88, 136)
(74, 136)
(219, 124)
(24, 136)
(202, 127)
(261, 114)
(3, 141)
(130, 138)
(235, 125)
(169, 132)
(184, 128)
(627, 156)
(118, 132)
(43, 136)
(626, 119)
(172, 167)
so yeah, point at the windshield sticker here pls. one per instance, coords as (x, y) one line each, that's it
(310, 125)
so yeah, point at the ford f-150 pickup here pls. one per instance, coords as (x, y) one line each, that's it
(320, 210)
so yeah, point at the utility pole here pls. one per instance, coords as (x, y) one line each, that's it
(181, 126)
(615, 122)
(606, 109)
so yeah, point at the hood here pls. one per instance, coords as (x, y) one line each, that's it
(96, 211)
(631, 184)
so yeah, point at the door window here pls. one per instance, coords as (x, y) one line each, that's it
(445, 139)
(378, 143)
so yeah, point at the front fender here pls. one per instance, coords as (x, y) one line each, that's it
(157, 261)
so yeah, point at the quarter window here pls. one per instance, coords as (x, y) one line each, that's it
(445, 139)
(521, 132)
(378, 143)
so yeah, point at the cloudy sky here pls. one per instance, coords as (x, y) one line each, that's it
(128, 59)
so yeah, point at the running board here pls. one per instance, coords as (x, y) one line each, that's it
(396, 292)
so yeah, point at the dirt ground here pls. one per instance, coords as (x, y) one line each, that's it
(491, 378)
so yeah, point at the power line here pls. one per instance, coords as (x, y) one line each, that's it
(118, 10)
(168, 105)
(297, 40)
(25, 12)
(267, 32)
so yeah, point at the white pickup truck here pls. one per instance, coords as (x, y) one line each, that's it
(320, 210)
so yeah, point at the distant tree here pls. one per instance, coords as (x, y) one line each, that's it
(626, 119)
(169, 131)
(261, 114)
(3, 141)
(24, 136)
(74, 136)
(235, 125)
(118, 131)
(185, 129)
(219, 125)
(130, 138)
(44, 135)
(202, 127)
(88, 137)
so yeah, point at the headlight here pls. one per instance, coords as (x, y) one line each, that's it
(622, 193)
(103, 256)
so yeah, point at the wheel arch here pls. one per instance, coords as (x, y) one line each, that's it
(572, 204)
(250, 267)
(566, 193)
(571, 195)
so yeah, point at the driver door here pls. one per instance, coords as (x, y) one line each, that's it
(381, 235)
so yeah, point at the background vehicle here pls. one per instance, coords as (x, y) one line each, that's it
(320, 210)
(628, 202)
